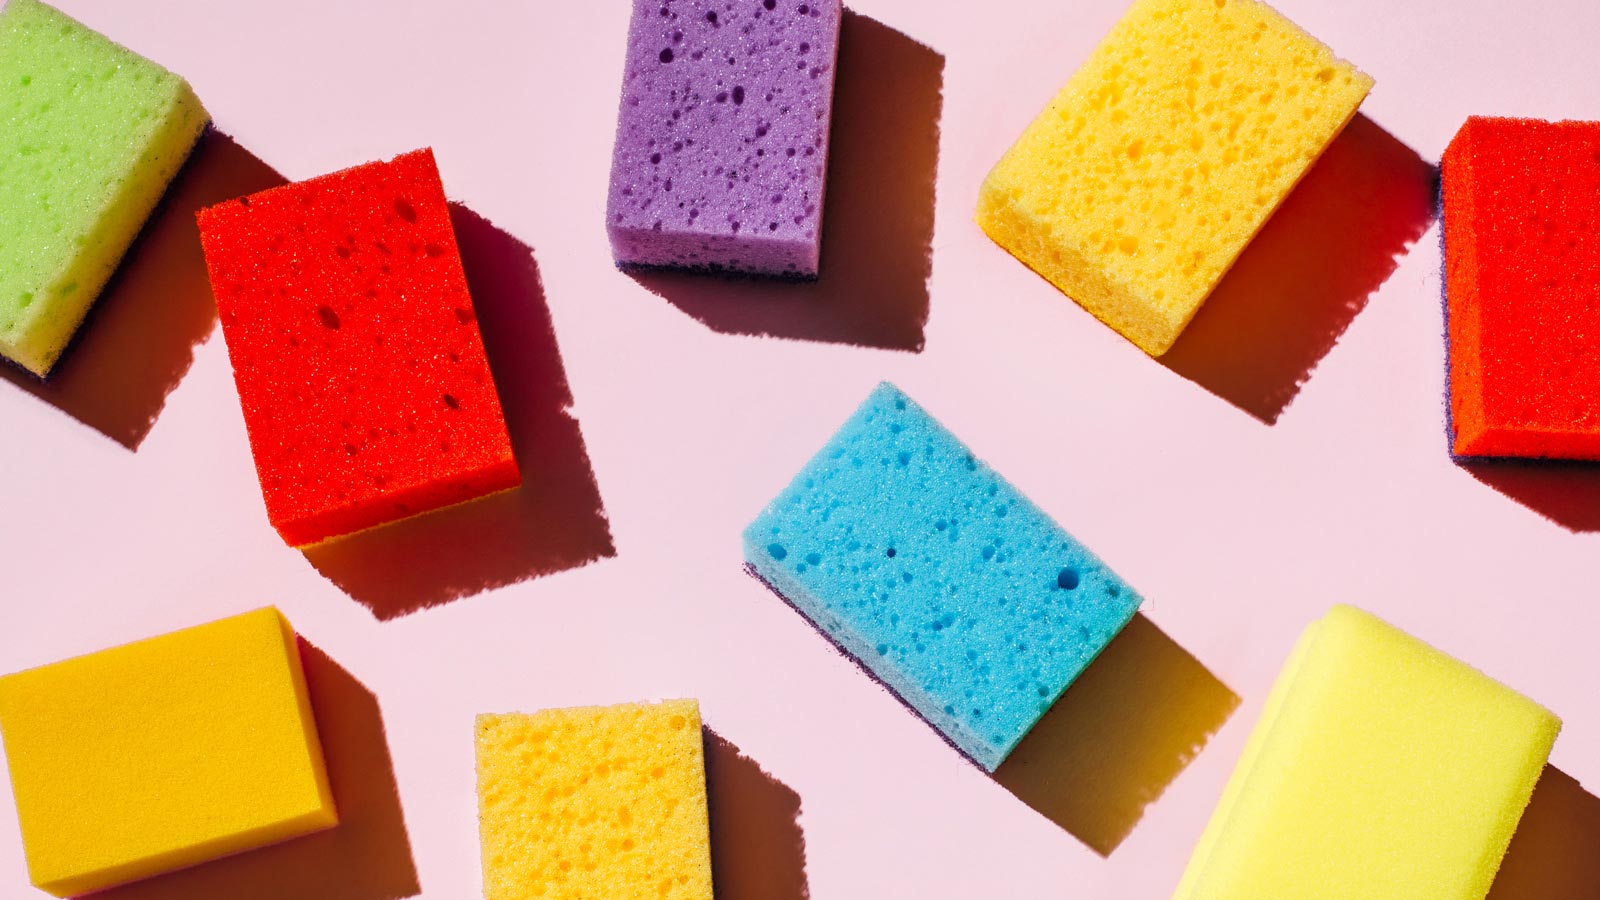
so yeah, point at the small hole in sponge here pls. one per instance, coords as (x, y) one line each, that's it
(889, 553)
(330, 319)
(666, 55)
(1068, 579)
(405, 209)
(451, 401)
(778, 552)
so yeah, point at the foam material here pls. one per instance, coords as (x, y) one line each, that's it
(938, 576)
(1145, 178)
(1522, 261)
(92, 135)
(355, 348)
(1380, 768)
(722, 140)
(577, 804)
(164, 753)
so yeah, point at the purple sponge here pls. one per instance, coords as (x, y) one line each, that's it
(722, 141)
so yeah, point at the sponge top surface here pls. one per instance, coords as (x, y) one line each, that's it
(595, 802)
(1522, 204)
(163, 752)
(1381, 767)
(78, 111)
(724, 121)
(938, 576)
(1170, 147)
(355, 346)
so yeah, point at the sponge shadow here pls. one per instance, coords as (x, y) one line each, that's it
(1309, 272)
(1566, 493)
(758, 851)
(878, 214)
(1555, 854)
(553, 522)
(366, 857)
(138, 341)
(1119, 736)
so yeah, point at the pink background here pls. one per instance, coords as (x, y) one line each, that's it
(1240, 525)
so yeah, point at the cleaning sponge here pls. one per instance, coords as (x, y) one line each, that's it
(355, 349)
(722, 139)
(577, 804)
(1148, 174)
(936, 575)
(1380, 768)
(93, 134)
(1522, 262)
(162, 754)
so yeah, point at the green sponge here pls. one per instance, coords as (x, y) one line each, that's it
(92, 135)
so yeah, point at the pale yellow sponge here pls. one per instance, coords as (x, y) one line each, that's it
(598, 802)
(164, 753)
(1149, 173)
(1380, 768)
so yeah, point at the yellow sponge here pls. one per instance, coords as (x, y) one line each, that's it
(1149, 173)
(161, 754)
(578, 804)
(1380, 768)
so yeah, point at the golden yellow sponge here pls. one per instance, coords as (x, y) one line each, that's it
(164, 753)
(1148, 174)
(578, 804)
(1380, 768)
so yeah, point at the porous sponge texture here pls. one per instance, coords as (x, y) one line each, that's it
(164, 753)
(355, 348)
(1380, 768)
(1149, 173)
(1522, 286)
(722, 139)
(938, 576)
(93, 134)
(576, 804)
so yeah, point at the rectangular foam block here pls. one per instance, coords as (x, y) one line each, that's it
(163, 753)
(1380, 768)
(1522, 268)
(355, 349)
(577, 804)
(93, 134)
(722, 142)
(1151, 171)
(938, 576)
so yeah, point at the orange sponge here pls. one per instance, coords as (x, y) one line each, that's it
(1522, 269)
(162, 754)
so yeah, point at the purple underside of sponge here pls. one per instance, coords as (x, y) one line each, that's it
(722, 140)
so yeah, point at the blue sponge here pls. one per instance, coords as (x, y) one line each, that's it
(939, 577)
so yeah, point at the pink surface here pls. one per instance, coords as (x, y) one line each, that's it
(1239, 532)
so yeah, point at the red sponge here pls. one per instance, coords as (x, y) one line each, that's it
(1522, 286)
(357, 356)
